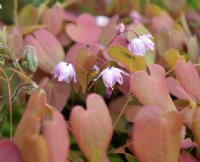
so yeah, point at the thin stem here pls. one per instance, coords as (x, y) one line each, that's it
(10, 107)
(15, 12)
(122, 111)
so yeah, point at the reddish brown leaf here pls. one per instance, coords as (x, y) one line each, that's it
(9, 152)
(92, 128)
(156, 135)
(85, 30)
(151, 90)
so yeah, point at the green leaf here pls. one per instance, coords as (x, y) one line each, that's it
(130, 61)
(131, 158)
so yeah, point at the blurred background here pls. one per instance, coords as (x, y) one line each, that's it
(102, 7)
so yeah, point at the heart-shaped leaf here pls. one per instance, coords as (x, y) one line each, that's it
(151, 145)
(9, 152)
(84, 30)
(188, 77)
(151, 90)
(56, 137)
(49, 51)
(124, 57)
(53, 18)
(92, 128)
(177, 90)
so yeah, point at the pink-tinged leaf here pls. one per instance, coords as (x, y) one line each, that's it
(72, 53)
(69, 16)
(156, 135)
(63, 39)
(109, 31)
(49, 50)
(187, 143)
(57, 94)
(84, 30)
(38, 97)
(187, 114)
(15, 42)
(9, 152)
(92, 128)
(196, 125)
(56, 137)
(163, 21)
(187, 157)
(53, 18)
(151, 90)
(40, 126)
(188, 77)
(177, 90)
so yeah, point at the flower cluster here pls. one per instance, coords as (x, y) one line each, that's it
(140, 45)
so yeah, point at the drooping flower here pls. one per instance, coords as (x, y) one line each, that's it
(120, 28)
(111, 76)
(64, 72)
(140, 45)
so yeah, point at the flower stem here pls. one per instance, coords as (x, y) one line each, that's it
(122, 111)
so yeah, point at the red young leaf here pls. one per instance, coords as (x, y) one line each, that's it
(92, 128)
(156, 135)
(9, 152)
(151, 90)
(85, 30)
(188, 77)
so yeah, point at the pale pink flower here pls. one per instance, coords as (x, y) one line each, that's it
(120, 28)
(64, 72)
(111, 76)
(140, 45)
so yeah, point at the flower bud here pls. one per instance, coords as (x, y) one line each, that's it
(30, 58)
(120, 28)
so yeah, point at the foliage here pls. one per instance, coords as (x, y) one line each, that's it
(109, 81)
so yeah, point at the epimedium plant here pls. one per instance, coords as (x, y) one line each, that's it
(100, 90)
